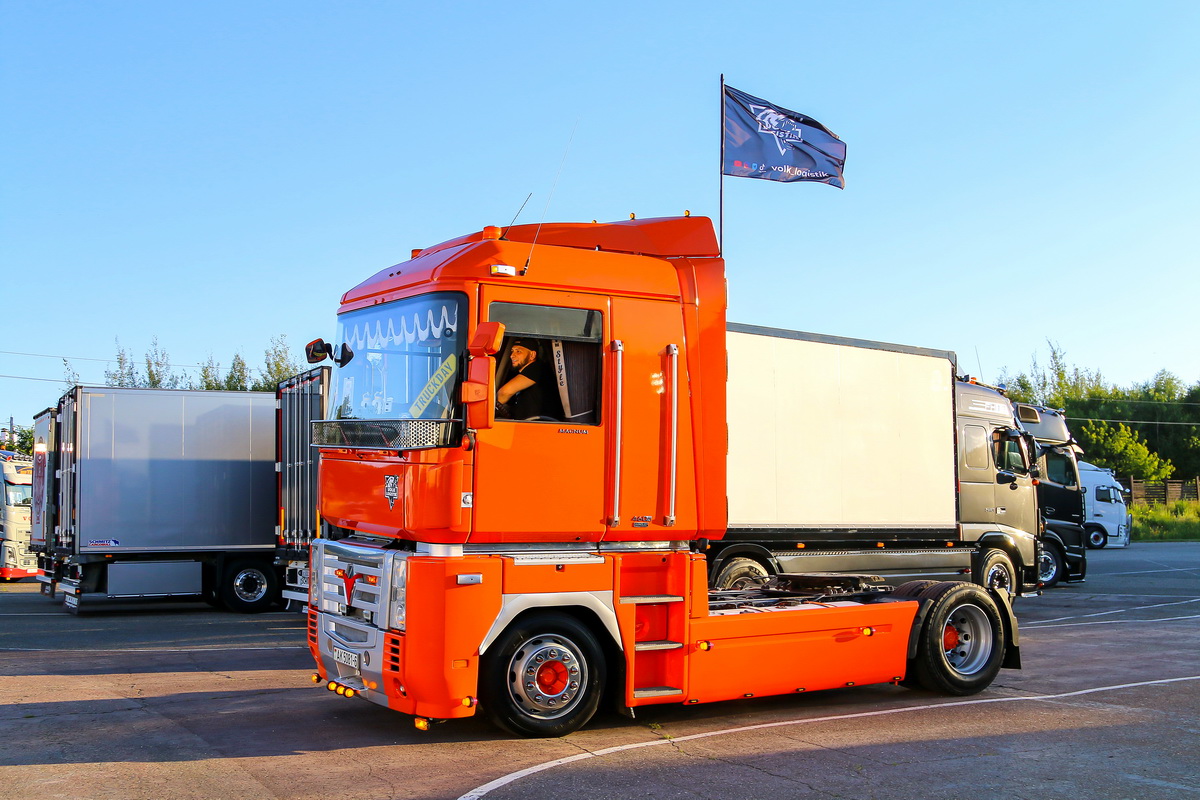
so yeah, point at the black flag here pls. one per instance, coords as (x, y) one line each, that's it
(762, 140)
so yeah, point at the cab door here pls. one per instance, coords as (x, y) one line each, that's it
(652, 474)
(543, 480)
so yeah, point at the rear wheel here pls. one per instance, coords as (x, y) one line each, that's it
(1097, 538)
(1051, 566)
(961, 646)
(543, 676)
(740, 573)
(249, 587)
(912, 588)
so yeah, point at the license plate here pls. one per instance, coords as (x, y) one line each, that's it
(345, 657)
(71, 601)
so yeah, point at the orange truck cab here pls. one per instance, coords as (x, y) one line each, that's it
(524, 558)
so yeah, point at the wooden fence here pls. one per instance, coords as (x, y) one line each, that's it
(1164, 491)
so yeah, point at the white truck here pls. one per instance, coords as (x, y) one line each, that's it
(894, 468)
(157, 493)
(16, 561)
(1107, 520)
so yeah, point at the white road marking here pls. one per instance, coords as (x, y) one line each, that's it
(480, 791)
(1114, 611)
(1039, 626)
(150, 649)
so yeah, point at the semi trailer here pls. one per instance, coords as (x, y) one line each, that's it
(156, 493)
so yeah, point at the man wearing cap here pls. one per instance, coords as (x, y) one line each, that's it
(532, 391)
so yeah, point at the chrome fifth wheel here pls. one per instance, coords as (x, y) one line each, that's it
(543, 676)
(962, 642)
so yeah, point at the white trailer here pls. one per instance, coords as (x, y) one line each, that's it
(152, 493)
(844, 457)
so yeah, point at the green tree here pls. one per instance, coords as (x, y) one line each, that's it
(278, 365)
(1163, 414)
(1121, 449)
(125, 373)
(238, 377)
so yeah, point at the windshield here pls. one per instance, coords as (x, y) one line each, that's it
(17, 494)
(407, 359)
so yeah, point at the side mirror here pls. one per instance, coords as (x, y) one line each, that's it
(479, 389)
(1003, 477)
(317, 351)
(488, 339)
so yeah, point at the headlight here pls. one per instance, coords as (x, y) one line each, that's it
(315, 576)
(397, 592)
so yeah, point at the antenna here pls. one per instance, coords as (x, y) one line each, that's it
(514, 219)
(978, 362)
(538, 232)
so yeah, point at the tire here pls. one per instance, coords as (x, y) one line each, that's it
(996, 571)
(1051, 566)
(1097, 538)
(961, 645)
(543, 677)
(249, 587)
(740, 573)
(912, 588)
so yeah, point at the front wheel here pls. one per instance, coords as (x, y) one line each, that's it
(1051, 566)
(962, 643)
(1097, 538)
(249, 587)
(543, 677)
(996, 572)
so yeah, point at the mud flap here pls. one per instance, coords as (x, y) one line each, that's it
(1012, 637)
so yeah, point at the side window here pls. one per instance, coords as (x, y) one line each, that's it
(549, 367)
(1060, 469)
(1104, 494)
(1008, 453)
(975, 447)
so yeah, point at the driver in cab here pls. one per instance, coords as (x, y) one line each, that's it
(531, 393)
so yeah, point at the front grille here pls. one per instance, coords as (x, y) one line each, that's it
(399, 434)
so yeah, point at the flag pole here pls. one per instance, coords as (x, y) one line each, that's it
(721, 178)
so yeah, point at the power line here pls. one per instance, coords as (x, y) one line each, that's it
(1133, 421)
(84, 358)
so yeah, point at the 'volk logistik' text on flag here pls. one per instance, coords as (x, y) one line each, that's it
(766, 141)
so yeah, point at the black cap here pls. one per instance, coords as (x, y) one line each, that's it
(528, 344)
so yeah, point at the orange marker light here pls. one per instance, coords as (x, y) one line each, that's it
(421, 723)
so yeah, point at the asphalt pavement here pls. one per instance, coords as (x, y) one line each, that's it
(181, 701)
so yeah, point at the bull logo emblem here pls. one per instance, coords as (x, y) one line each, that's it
(391, 489)
(787, 131)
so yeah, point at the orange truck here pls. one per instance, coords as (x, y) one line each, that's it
(528, 559)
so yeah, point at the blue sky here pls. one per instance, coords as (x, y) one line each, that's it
(218, 173)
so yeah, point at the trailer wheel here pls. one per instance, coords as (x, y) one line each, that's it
(740, 573)
(996, 571)
(543, 677)
(962, 643)
(249, 587)
(1051, 566)
(1097, 538)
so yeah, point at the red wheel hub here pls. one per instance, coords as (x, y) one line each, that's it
(950, 638)
(552, 677)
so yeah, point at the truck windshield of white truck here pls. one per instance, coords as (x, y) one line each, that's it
(17, 494)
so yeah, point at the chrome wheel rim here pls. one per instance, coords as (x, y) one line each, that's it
(967, 639)
(546, 676)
